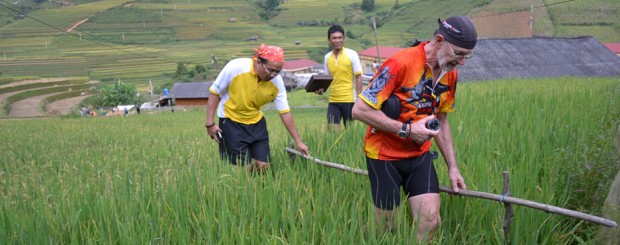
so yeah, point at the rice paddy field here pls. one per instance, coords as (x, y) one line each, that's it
(140, 41)
(156, 178)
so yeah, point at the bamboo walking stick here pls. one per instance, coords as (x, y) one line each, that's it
(478, 194)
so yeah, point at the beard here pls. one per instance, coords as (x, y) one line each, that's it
(445, 63)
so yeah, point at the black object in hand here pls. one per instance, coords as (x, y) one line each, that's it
(219, 135)
(433, 124)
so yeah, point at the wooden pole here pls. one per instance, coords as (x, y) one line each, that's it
(374, 27)
(484, 195)
(328, 164)
(508, 206)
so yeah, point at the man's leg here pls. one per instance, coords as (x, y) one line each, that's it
(333, 116)
(422, 188)
(385, 182)
(260, 147)
(347, 113)
(385, 219)
(425, 210)
(258, 166)
(235, 142)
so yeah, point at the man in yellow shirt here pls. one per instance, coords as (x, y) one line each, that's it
(344, 66)
(243, 86)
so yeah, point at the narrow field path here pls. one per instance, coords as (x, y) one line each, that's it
(76, 24)
(6, 95)
(3, 100)
(63, 107)
(24, 82)
(29, 107)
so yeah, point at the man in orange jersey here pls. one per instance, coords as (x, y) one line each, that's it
(243, 86)
(421, 81)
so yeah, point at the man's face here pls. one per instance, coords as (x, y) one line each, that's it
(336, 39)
(449, 56)
(270, 69)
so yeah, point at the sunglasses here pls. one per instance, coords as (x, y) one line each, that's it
(270, 71)
(459, 56)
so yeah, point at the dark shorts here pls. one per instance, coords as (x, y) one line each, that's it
(416, 175)
(338, 111)
(243, 142)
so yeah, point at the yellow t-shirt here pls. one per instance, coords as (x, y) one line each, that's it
(343, 70)
(242, 94)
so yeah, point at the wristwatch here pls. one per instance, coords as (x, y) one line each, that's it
(403, 131)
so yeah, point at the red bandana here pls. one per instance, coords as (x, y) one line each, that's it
(271, 53)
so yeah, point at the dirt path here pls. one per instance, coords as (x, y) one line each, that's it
(45, 80)
(3, 99)
(29, 107)
(63, 107)
(6, 95)
(76, 24)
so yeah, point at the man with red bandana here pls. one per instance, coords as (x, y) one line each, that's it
(243, 86)
(420, 82)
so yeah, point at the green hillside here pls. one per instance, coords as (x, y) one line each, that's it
(140, 40)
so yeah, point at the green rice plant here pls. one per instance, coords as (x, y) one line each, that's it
(157, 177)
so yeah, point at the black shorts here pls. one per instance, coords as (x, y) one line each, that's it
(243, 142)
(338, 111)
(416, 175)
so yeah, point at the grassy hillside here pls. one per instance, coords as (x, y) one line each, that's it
(141, 40)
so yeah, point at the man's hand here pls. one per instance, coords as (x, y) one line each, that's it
(419, 133)
(213, 131)
(319, 91)
(456, 180)
(303, 148)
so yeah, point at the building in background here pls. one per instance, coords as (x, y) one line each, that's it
(614, 47)
(187, 94)
(539, 57)
(298, 72)
(371, 60)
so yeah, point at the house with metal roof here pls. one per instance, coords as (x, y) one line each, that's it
(187, 94)
(614, 47)
(499, 58)
(299, 66)
(371, 58)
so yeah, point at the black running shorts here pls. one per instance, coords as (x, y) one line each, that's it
(243, 142)
(416, 175)
(338, 111)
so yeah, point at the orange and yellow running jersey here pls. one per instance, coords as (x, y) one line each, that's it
(407, 75)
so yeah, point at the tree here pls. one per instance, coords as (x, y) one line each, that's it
(119, 94)
(396, 5)
(200, 69)
(181, 70)
(350, 34)
(271, 5)
(368, 5)
(269, 8)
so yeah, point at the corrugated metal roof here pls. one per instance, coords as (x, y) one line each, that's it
(614, 47)
(385, 51)
(498, 58)
(193, 90)
(298, 64)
